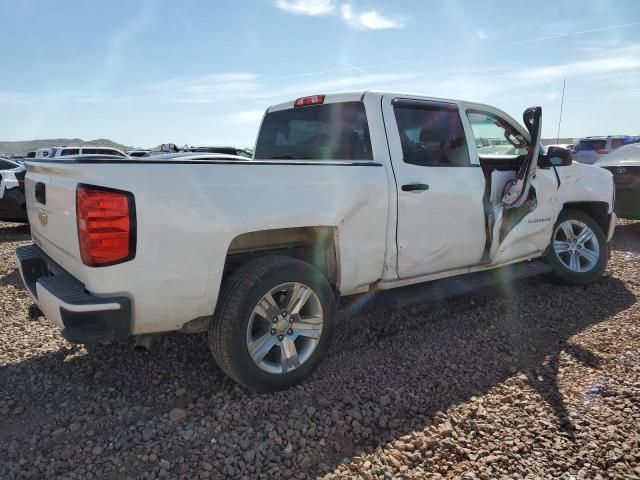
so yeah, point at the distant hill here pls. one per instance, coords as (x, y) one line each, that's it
(28, 145)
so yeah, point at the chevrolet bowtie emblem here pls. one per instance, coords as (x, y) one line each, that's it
(43, 217)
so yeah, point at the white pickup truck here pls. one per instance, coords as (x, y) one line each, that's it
(346, 194)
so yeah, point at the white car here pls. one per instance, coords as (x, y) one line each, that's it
(60, 152)
(591, 149)
(624, 164)
(346, 194)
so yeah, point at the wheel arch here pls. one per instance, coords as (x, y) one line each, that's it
(597, 210)
(316, 245)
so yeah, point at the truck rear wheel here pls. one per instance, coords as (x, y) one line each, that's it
(273, 323)
(578, 253)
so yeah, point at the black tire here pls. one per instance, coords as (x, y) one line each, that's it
(563, 274)
(240, 293)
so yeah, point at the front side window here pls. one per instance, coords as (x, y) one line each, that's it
(495, 136)
(69, 151)
(431, 135)
(334, 131)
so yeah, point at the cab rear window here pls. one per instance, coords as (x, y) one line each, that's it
(334, 131)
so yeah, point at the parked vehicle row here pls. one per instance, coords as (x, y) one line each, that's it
(12, 171)
(346, 194)
(168, 148)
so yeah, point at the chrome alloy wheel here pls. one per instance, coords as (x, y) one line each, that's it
(576, 246)
(285, 328)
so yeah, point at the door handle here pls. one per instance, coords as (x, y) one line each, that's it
(41, 193)
(415, 187)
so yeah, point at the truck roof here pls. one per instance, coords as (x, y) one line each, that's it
(359, 96)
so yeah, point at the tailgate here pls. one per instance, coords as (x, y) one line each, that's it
(50, 189)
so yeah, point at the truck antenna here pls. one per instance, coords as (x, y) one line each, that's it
(564, 84)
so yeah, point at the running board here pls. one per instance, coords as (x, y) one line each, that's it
(461, 284)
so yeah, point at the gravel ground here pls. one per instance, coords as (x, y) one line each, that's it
(529, 380)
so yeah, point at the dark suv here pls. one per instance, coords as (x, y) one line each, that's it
(12, 200)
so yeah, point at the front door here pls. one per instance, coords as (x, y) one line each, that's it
(440, 216)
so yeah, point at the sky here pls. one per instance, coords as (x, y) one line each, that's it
(145, 72)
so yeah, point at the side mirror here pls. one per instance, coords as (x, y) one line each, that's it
(555, 157)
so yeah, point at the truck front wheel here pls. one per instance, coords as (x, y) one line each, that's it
(578, 253)
(273, 323)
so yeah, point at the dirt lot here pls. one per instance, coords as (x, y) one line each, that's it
(530, 380)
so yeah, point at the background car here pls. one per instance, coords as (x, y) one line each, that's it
(590, 149)
(12, 199)
(59, 152)
(624, 164)
(139, 153)
(240, 152)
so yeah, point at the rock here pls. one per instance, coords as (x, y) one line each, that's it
(249, 456)
(177, 414)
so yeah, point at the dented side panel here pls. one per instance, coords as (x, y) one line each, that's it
(578, 183)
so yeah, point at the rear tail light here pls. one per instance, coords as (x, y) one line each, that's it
(602, 151)
(306, 101)
(106, 225)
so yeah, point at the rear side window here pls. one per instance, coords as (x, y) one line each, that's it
(334, 131)
(101, 151)
(431, 135)
(69, 151)
(588, 145)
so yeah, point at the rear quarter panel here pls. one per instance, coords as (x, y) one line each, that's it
(188, 214)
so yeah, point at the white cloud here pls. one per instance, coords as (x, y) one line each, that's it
(360, 20)
(306, 7)
(369, 20)
(210, 88)
(482, 34)
(618, 60)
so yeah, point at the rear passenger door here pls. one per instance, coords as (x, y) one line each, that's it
(441, 220)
